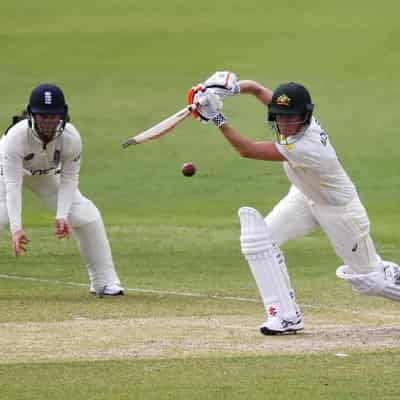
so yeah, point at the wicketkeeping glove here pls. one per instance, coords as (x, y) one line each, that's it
(223, 83)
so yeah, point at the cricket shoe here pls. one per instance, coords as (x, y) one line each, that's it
(392, 272)
(113, 289)
(279, 326)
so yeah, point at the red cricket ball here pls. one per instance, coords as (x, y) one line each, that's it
(188, 169)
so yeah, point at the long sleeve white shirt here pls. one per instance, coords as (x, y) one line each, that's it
(22, 152)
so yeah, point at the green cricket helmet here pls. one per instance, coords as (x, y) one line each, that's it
(290, 99)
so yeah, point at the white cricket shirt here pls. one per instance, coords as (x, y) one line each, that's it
(314, 168)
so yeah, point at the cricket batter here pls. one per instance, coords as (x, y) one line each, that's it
(321, 195)
(43, 152)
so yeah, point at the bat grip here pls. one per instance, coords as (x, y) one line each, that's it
(193, 107)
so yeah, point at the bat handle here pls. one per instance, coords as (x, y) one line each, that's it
(193, 107)
(128, 143)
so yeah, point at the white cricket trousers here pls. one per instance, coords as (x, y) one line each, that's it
(347, 228)
(87, 224)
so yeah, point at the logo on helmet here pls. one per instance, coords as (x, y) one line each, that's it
(48, 98)
(283, 100)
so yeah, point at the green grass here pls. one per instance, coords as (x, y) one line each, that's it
(125, 65)
(330, 377)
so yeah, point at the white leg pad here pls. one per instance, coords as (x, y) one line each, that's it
(96, 254)
(383, 282)
(267, 264)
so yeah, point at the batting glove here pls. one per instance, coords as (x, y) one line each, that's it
(207, 101)
(224, 83)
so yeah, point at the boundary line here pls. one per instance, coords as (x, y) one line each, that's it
(137, 290)
(166, 292)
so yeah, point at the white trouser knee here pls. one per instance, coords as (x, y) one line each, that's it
(83, 212)
(267, 264)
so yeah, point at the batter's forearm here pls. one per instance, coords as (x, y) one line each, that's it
(240, 143)
(256, 89)
(247, 148)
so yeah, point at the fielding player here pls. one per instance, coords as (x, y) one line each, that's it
(43, 152)
(321, 195)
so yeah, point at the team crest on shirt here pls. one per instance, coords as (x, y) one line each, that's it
(283, 100)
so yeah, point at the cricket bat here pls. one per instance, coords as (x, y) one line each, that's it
(161, 128)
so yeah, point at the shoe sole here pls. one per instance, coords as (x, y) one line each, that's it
(120, 293)
(269, 332)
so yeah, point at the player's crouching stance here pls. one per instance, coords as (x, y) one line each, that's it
(43, 152)
(322, 195)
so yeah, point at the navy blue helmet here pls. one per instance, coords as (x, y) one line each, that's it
(46, 102)
(47, 99)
